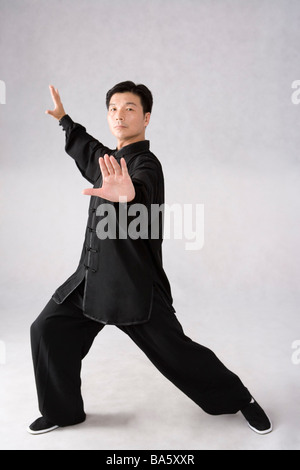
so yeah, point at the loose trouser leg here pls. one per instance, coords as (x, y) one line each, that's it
(193, 368)
(60, 337)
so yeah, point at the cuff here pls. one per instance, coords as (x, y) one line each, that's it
(66, 122)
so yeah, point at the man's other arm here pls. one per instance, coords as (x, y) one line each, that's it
(82, 147)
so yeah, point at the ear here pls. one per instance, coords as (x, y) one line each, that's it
(147, 119)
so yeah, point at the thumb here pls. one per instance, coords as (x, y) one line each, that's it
(51, 113)
(90, 192)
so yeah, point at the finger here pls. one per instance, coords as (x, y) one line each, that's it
(52, 91)
(91, 192)
(103, 167)
(109, 166)
(115, 165)
(54, 94)
(124, 167)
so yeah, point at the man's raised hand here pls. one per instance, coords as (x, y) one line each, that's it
(116, 182)
(58, 112)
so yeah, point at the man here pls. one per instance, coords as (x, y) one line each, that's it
(120, 279)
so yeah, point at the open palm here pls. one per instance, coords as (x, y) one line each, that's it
(116, 182)
(58, 112)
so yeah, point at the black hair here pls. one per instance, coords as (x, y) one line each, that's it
(140, 90)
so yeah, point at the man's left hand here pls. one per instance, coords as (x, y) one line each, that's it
(116, 182)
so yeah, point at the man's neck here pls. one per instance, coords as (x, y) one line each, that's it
(124, 143)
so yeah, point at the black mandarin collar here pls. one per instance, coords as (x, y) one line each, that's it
(132, 149)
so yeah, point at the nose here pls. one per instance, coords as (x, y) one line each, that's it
(119, 116)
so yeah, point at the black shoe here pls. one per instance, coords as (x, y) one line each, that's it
(256, 418)
(40, 426)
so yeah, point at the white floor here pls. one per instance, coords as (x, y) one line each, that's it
(129, 405)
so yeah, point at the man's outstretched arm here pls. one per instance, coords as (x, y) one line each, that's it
(81, 146)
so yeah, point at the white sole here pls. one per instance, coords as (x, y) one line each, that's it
(42, 431)
(266, 431)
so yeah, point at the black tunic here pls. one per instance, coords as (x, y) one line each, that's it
(120, 272)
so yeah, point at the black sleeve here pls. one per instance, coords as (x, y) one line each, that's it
(147, 178)
(83, 148)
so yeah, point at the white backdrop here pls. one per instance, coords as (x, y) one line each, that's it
(227, 133)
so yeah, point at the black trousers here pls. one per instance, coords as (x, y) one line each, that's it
(61, 336)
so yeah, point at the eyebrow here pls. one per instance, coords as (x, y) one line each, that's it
(128, 102)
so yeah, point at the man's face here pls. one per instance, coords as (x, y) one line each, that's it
(126, 118)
